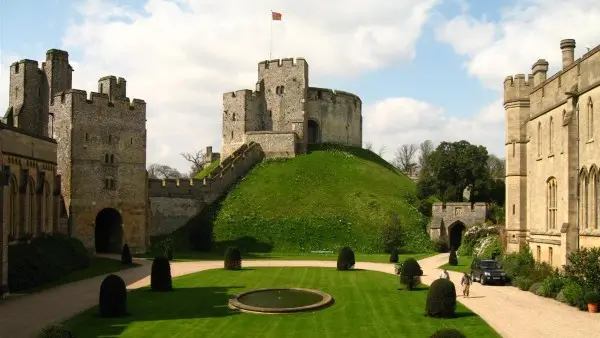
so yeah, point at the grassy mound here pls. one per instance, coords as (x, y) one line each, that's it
(332, 197)
(207, 170)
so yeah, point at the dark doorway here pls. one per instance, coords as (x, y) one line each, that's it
(108, 232)
(455, 230)
(313, 131)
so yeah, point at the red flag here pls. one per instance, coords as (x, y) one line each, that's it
(276, 16)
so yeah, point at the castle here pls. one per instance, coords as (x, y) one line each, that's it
(75, 163)
(552, 157)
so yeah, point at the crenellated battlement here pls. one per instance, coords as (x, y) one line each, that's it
(517, 88)
(246, 93)
(57, 54)
(327, 94)
(78, 96)
(279, 63)
(19, 66)
(465, 207)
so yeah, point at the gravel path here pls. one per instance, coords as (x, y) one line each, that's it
(511, 312)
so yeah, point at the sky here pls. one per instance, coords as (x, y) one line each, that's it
(425, 69)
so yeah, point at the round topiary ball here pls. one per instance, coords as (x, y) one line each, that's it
(448, 333)
(233, 258)
(55, 331)
(113, 297)
(441, 299)
(126, 255)
(410, 274)
(160, 275)
(394, 256)
(346, 259)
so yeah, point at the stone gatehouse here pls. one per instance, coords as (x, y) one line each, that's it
(450, 219)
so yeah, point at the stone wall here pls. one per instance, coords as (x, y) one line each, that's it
(274, 144)
(445, 215)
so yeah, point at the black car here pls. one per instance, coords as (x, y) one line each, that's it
(487, 271)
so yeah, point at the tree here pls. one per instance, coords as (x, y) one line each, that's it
(162, 171)
(404, 158)
(382, 151)
(426, 148)
(369, 145)
(196, 161)
(496, 166)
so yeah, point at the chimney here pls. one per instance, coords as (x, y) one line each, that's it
(568, 52)
(539, 71)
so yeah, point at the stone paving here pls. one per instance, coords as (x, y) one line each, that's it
(513, 313)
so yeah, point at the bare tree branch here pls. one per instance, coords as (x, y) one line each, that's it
(382, 151)
(404, 158)
(162, 171)
(369, 145)
(196, 161)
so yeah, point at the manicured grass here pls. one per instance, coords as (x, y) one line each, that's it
(209, 256)
(464, 265)
(98, 266)
(208, 169)
(367, 304)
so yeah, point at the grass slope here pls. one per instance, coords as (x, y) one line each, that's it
(367, 304)
(331, 197)
(208, 169)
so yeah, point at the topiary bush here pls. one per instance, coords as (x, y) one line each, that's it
(233, 258)
(160, 275)
(441, 299)
(551, 286)
(453, 260)
(113, 297)
(447, 333)
(55, 331)
(410, 274)
(394, 256)
(592, 297)
(346, 260)
(126, 255)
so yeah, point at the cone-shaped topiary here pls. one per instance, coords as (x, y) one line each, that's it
(233, 258)
(448, 333)
(113, 297)
(126, 255)
(441, 299)
(346, 259)
(55, 331)
(394, 256)
(170, 254)
(453, 260)
(410, 274)
(160, 275)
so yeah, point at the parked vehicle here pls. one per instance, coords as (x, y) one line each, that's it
(487, 271)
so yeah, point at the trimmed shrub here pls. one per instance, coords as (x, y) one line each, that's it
(394, 256)
(55, 331)
(44, 259)
(410, 274)
(346, 259)
(592, 297)
(453, 260)
(160, 275)
(448, 333)
(126, 255)
(584, 268)
(441, 246)
(523, 282)
(551, 286)
(535, 287)
(441, 299)
(573, 292)
(113, 297)
(233, 258)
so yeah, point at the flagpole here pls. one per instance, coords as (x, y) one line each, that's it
(271, 38)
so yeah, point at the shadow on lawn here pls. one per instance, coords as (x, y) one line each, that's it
(147, 306)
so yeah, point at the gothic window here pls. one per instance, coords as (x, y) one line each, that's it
(590, 119)
(583, 199)
(13, 208)
(551, 136)
(597, 198)
(593, 199)
(551, 203)
(539, 138)
(565, 131)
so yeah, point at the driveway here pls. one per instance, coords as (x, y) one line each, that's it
(511, 312)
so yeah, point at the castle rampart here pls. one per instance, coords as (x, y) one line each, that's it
(281, 63)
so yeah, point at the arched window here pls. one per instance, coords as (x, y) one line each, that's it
(539, 138)
(583, 199)
(30, 208)
(590, 119)
(13, 208)
(551, 136)
(551, 189)
(593, 200)
(565, 133)
(112, 158)
(109, 183)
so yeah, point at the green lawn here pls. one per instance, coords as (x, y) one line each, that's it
(203, 256)
(464, 265)
(367, 304)
(98, 266)
(208, 169)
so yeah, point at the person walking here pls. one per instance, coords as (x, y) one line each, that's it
(445, 274)
(466, 284)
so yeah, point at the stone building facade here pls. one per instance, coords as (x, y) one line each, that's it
(552, 157)
(72, 163)
(449, 220)
(284, 114)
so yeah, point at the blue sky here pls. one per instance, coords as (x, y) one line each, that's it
(453, 76)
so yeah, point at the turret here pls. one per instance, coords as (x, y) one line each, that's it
(568, 52)
(517, 88)
(115, 88)
(25, 97)
(539, 71)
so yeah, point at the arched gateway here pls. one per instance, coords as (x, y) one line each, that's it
(450, 220)
(108, 234)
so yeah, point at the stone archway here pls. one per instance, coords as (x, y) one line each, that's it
(313, 131)
(455, 234)
(108, 234)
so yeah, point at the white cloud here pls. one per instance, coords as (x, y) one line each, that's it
(396, 121)
(180, 56)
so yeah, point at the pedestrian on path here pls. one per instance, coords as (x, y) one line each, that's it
(466, 284)
(445, 275)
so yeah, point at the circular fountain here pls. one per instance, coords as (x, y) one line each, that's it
(280, 300)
